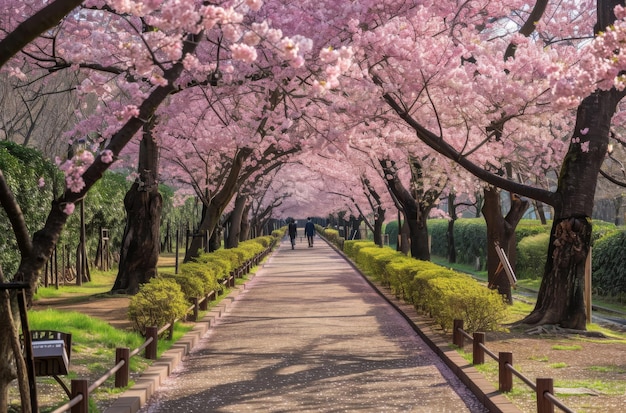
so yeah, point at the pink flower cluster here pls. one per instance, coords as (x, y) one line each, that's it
(74, 169)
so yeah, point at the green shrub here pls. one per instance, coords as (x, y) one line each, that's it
(609, 265)
(351, 247)
(202, 272)
(192, 287)
(532, 252)
(480, 309)
(157, 303)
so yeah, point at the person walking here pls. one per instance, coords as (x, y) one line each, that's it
(293, 232)
(309, 231)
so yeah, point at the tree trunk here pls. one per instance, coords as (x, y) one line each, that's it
(561, 296)
(379, 220)
(232, 240)
(8, 370)
(415, 207)
(501, 229)
(214, 210)
(541, 213)
(451, 245)
(141, 242)
(244, 234)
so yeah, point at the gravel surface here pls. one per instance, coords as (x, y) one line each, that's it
(308, 334)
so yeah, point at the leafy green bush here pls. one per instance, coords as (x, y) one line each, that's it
(191, 286)
(609, 265)
(157, 303)
(480, 309)
(532, 252)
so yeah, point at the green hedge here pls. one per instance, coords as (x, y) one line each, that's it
(442, 293)
(532, 252)
(157, 303)
(609, 265)
(166, 297)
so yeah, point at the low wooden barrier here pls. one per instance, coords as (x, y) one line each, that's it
(543, 387)
(80, 389)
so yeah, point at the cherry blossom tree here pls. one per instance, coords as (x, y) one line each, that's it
(471, 99)
(107, 41)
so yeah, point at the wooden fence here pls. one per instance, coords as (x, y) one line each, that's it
(81, 389)
(544, 387)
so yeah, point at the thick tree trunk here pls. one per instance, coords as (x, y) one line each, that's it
(232, 240)
(418, 232)
(501, 229)
(244, 234)
(141, 242)
(415, 207)
(561, 295)
(379, 220)
(8, 370)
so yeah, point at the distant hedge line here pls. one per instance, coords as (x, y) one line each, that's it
(470, 235)
(166, 297)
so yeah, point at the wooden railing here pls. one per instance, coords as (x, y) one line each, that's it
(80, 388)
(543, 387)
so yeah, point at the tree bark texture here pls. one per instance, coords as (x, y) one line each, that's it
(232, 241)
(141, 243)
(415, 212)
(501, 229)
(213, 212)
(561, 295)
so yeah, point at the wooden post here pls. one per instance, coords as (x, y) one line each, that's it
(151, 349)
(478, 356)
(457, 337)
(588, 286)
(196, 308)
(505, 376)
(544, 405)
(122, 375)
(80, 387)
(28, 349)
(177, 244)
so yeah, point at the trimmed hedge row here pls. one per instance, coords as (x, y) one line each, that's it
(470, 236)
(442, 293)
(166, 297)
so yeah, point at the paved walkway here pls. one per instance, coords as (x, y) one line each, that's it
(308, 334)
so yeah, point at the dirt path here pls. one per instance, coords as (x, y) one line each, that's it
(111, 309)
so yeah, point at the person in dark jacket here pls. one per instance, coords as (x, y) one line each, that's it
(309, 231)
(293, 233)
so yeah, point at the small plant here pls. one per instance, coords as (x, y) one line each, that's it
(157, 303)
(559, 365)
(574, 347)
(608, 369)
(543, 359)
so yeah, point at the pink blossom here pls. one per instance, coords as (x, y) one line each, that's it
(41, 183)
(584, 146)
(254, 5)
(69, 208)
(243, 52)
(107, 156)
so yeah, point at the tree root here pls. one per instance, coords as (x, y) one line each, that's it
(557, 330)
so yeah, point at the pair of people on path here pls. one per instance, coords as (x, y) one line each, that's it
(309, 231)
